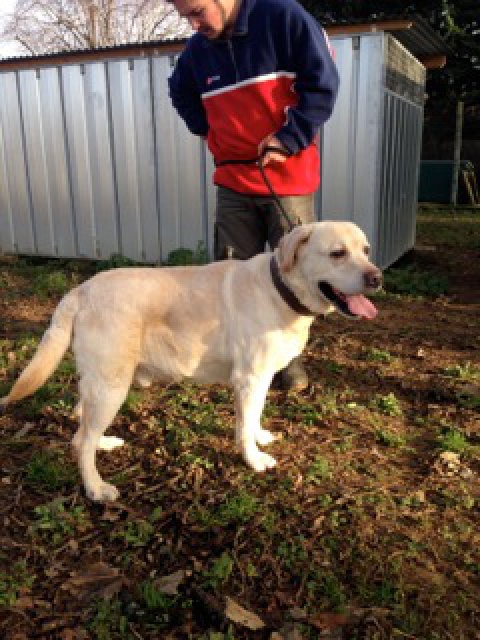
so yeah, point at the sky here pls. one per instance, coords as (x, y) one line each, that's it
(7, 49)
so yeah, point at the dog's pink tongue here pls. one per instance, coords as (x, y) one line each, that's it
(361, 306)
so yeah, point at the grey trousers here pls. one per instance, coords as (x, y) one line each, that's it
(245, 224)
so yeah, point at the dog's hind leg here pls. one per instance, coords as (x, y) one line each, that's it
(250, 394)
(106, 443)
(100, 403)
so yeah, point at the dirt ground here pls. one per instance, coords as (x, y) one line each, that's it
(368, 527)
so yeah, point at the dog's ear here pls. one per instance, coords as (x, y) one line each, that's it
(290, 244)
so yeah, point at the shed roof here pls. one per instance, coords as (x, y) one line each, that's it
(414, 33)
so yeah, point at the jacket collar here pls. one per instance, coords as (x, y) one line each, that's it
(287, 294)
(240, 28)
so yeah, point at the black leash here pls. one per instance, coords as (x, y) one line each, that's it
(258, 161)
(288, 296)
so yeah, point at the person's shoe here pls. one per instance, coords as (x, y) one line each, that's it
(294, 377)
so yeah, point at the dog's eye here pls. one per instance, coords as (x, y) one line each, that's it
(338, 253)
(366, 251)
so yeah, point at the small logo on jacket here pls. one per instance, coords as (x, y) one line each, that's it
(212, 79)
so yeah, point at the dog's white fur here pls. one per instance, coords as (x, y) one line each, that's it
(220, 323)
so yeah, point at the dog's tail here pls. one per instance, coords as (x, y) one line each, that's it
(50, 351)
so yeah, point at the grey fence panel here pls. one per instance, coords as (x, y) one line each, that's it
(34, 136)
(95, 161)
(371, 149)
(56, 168)
(399, 183)
(336, 202)
(78, 158)
(180, 170)
(369, 115)
(16, 214)
(100, 143)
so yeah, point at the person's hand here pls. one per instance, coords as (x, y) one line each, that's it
(272, 156)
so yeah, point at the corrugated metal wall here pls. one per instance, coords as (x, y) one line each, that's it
(371, 146)
(94, 161)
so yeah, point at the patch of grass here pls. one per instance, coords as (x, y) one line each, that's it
(185, 257)
(54, 523)
(387, 404)
(46, 283)
(453, 440)
(109, 621)
(17, 579)
(53, 393)
(292, 553)
(50, 471)
(465, 371)
(415, 282)
(155, 599)
(326, 586)
(220, 571)
(318, 471)
(138, 533)
(389, 438)
(468, 400)
(131, 402)
(449, 229)
(238, 509)
(378, 355)
(116, 261)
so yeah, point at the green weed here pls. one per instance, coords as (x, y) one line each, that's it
(184, 257)
(138, 533)
(220, 571)
(54, 523)
(238, 509)
(453, 440)
(49, 471)
(318, 471)
(412, 281)
(156, 599)
(465, 371)
(46, 283)
(389, 438)
(292, 553)
(322, 585)
(131, 402)
(116, 261)
(379, 355)
(387, 404)
(17, 579)
(109, 621)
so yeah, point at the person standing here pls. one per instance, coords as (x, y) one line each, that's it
(257, 75)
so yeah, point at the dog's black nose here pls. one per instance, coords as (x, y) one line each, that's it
(372, 279)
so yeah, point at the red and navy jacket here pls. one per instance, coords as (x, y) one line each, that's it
(274, 74)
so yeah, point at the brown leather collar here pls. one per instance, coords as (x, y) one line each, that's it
(287, 294)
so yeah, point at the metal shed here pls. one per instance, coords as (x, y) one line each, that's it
(94, 161)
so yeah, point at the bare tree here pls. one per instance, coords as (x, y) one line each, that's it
(48, 26)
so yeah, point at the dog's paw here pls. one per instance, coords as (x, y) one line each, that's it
(107, 443)
(261, 462)
(264, 437)
(103, 492)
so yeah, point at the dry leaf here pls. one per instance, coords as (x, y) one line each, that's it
(328, 621)
(169, 584)
(99, 580)
(239, 615)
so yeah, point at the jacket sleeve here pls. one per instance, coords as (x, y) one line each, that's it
(316, 82)
(185, 96)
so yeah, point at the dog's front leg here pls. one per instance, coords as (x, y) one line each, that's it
(250, 393)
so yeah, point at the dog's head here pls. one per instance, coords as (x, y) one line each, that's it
(327, 263)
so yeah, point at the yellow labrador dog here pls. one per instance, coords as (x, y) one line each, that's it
(236, 322)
